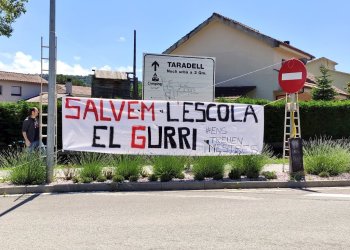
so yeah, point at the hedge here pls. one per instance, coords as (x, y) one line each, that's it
(12, 116)
(318, 118)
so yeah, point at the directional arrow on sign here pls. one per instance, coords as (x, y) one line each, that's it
(155, 64)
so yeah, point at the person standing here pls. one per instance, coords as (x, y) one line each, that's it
(30, 130)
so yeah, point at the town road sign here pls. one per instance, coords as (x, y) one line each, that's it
(292, 76)
(180, 78)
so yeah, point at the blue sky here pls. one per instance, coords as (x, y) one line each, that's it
(99, 33)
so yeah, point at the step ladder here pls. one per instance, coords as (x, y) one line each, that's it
(291, 129)
(43, 116)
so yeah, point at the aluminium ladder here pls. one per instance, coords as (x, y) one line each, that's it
(43, 115)
(291, 124)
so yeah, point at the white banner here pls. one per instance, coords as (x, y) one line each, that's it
(161, 127)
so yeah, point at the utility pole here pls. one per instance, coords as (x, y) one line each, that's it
(135, 81)
(51, 119)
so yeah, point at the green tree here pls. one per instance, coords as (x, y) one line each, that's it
(78, 82)
(10, 10)
(61, 79)
(324, 90)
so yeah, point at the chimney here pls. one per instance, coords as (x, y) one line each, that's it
(286, 42)
(69, 87)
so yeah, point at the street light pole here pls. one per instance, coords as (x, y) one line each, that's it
(51, 119)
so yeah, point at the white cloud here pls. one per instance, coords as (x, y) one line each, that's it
(76, 69)
(124, 68)
(5, 55)
(23, 63)
(121, 39)
(106, 67)
(77, 58)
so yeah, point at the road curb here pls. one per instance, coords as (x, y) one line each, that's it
(166, 186)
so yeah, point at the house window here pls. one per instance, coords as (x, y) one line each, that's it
(16, 90)
(0, 90)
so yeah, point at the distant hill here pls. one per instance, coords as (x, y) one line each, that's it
(76, 79)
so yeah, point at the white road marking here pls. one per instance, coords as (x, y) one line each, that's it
(176, 194)
(292, 76)
(329, 195)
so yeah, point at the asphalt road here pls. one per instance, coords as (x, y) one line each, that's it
(219, 219)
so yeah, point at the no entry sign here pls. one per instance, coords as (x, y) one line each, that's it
(292, 76)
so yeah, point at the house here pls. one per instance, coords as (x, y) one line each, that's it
(78, 91)
(18, 86)
(340, 79)
(305, 94)
(247, 61)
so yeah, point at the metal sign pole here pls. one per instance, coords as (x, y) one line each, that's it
(136, 91)
(50, 159)
(293, 107)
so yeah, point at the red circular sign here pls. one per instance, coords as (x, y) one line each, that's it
(292, 76)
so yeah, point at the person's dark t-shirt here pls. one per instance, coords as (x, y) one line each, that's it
(31, 127)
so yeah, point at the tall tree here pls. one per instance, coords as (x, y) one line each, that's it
(324, 90)
(10, 10)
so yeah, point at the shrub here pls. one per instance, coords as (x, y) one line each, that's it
(101, 178)
(168, 167)
(325, 155)
(251, 165)
(153, 177)
(108, 173)
(86, 179)
(91, 170)
(165, 177)
(269, 175)
(208, 166)
(91, 163)
(219, 176)
(69, 172)
(75, 179)
(26, 168)
(118, 178)
(297, 176)
(180, 176)
(199, 177)
(129, 166)
(235, 173)
(145, 171)
(133, 178)
(324, 174)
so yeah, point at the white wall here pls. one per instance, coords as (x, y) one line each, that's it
(238, 53)
(29, 90)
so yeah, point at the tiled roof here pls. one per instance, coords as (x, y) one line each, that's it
(19, 77)
(77, 90)
(81, 91)
(105, 74)
(337, 90)
(239, 26)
